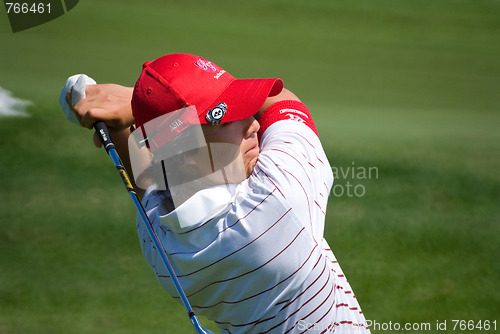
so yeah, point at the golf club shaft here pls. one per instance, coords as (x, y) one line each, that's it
(105, 137)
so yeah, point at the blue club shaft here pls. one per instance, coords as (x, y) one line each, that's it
(103, 133)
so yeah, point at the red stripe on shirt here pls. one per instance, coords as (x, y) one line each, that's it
(225, 229)
(264, 291)
(291, 315)
(251, 271)
(298, 162)
(236, 251)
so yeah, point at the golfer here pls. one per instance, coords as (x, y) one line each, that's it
(236, 186)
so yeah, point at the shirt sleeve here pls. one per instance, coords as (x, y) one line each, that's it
(292, 158)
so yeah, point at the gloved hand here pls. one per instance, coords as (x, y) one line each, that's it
(78, 82)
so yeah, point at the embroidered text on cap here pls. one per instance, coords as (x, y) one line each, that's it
(215, 115)
(206, 65)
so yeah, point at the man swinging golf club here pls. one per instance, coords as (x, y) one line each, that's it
(236, 187)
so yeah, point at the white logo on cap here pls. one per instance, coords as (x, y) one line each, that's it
(217, 76)
(206, 65)
(175, 124)
(215, 115)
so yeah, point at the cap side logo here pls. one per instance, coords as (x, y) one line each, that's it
(215, 115)
(206, 65)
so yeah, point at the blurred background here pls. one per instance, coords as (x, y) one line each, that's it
(405, 95)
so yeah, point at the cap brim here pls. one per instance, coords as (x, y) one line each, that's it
(244, 98)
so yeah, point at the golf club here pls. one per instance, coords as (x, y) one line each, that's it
(103, 133)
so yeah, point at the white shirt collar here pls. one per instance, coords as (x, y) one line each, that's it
(200, 207)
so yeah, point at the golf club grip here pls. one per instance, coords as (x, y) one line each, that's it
(103, 133)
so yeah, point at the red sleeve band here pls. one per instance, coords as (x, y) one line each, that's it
(286, 110)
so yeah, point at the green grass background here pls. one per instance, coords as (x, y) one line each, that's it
(409, 87)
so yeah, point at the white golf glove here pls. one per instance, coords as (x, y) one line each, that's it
(78, 82)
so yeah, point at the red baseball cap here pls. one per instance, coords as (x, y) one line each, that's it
(179, 80)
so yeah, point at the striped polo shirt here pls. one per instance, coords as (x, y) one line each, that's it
(252, 256)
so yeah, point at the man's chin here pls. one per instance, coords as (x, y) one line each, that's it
(249, 167)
